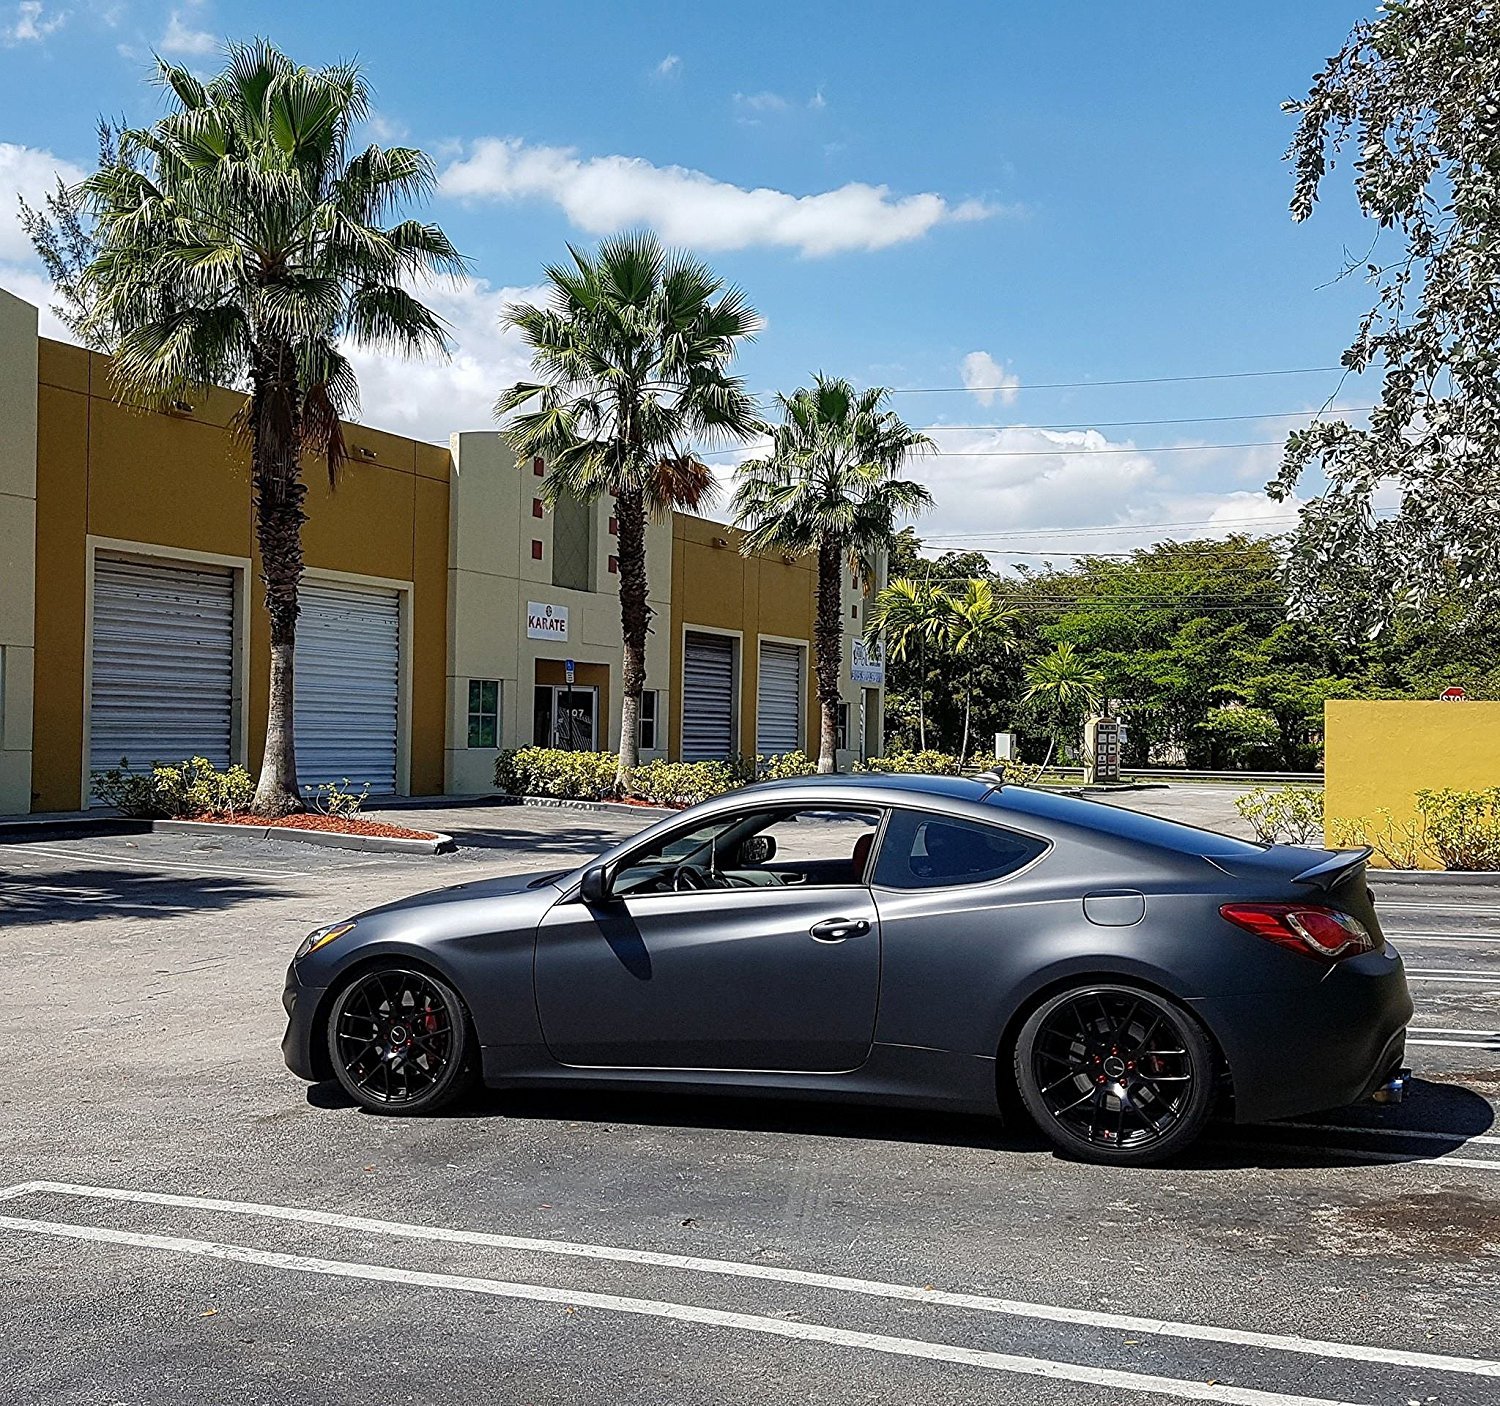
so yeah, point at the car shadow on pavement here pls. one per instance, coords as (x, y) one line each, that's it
(93, 891)
(575, 840)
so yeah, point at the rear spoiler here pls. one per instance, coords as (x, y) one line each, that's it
(1335, 869)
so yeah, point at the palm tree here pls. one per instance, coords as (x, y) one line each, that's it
(1067, 687)
(909, 616)
(979, 623)
(239, 242)
(631, 355)
(829, 485)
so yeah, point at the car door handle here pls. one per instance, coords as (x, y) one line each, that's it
(839, 929)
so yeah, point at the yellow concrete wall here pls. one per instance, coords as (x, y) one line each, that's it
(181, 483)
(18, 430)
(1379, 754)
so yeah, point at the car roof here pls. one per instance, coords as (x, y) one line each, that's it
(958, 788)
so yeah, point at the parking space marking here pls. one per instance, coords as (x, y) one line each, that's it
(1090, 1318)
(1458, 1044)
(1452, 1030)
(1358, 1154)
(1441, 937)
(1426, 1134)
(1183, 1389)
(141, 862)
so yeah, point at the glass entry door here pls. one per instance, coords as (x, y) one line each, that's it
(567, 717)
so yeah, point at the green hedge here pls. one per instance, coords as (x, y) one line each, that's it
(591, 776)
(192, 787)
(550, 771)
(921, 763)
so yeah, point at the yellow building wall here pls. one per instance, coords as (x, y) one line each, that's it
(1379, 754)
(181, 482)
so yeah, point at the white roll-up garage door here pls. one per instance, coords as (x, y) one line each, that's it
(348, 683)
(778, 702)
(707, 698)
(162, 666)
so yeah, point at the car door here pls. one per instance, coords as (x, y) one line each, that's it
(781, 971)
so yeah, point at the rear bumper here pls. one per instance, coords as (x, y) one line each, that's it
(1324, 1045)
(300, 1046)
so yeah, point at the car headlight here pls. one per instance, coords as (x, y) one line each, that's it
(321, 937)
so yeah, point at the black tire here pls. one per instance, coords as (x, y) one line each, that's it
(400, 1040)
(1115, 1074)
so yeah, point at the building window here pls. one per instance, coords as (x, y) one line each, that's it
(536, 507)
(538, 467)
(614, 566)
(484, 712)
(572, 544)
(841, 740)
(648, 719)
(536, 549)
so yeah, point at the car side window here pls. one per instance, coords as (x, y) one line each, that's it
(922, 850)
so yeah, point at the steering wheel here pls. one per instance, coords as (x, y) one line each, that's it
(690, 876)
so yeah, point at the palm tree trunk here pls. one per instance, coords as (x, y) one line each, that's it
(829, 630)
(921, 697)
(635, 622)
(963, 751)
(276, 474)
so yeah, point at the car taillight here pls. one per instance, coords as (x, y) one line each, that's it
(1312, 930)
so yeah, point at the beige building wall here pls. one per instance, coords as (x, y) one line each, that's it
(494, 577)
(18, 430)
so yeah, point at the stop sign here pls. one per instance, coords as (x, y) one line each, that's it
(1452, 695)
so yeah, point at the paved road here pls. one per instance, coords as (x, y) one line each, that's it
(653, 1250)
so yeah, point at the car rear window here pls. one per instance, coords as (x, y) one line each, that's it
(1117, 821)
(923, 850)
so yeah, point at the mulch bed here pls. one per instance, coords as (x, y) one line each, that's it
(341, 825)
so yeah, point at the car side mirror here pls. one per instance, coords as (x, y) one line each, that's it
(594, 886)
(758, 849)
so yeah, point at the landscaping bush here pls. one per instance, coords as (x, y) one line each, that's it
(785, 765)
(333, 798)
(1400, 844)
(666, 783)
(921, 763)
(192, 787)
(1462, 827)
(1285, 815)
(551, 771)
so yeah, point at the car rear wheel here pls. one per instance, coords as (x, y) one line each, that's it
(1115, 1074)
(399, 1041)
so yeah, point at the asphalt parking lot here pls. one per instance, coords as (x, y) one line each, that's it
(183, 1221)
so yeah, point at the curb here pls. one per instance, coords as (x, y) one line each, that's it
(1480, 878)
(85, 827)
(607, 807)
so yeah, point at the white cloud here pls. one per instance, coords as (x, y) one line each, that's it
(182, 38)
(33, 23)
(669, 67)
(32, 173)
(985, 378)
(604, 194)
(433, 399)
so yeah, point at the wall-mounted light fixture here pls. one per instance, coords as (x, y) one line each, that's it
(721, 541)
(365, 452)
(787, 559)
(180, 407)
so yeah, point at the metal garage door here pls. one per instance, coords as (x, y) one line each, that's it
(162, 670)
(707, 698)
(348, 681)
(778, 702)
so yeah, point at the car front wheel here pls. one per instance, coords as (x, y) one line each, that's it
(1115, 1074)
(399, 1041)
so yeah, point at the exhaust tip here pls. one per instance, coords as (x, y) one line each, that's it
(1393, 1090)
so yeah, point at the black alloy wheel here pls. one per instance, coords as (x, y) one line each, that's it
(1115, 1074)
(399, 1041)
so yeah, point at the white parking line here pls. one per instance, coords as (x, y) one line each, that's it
(1460, 1044)
(1182, 1389)
(1356, 1154)
(140, 862)
(739, 1269)
(1446, 979)
(1441, 937)
(1424, 1134)
(1452, 1030)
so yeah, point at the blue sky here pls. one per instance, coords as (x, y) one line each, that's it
(915, 196)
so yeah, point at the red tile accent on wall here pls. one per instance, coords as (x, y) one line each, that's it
(614, 566)
(536, 507)
(536, 550)
(538, 467)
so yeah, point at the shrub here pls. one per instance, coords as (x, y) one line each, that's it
(551, 771)
(333, 798)
(784, 766)
(192, 787)
(1401, 844)
(666, 783)
(922, 763)
(1462, 827)
(1287, 815)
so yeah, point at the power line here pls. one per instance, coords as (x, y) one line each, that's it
(1128, 381)
(1050, 451)
(1180, 420)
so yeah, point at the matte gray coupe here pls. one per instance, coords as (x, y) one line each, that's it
(934, 942)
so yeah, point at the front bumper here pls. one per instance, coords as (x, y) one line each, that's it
(1323, 1045)
(302, 1045)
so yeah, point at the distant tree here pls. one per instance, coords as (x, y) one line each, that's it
(1066, 687)
(831, 485)
(980, 625)
(911, 619)
(1416, 93)
(632, 352)
(239, 241)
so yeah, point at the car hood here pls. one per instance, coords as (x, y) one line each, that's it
(480, 888)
